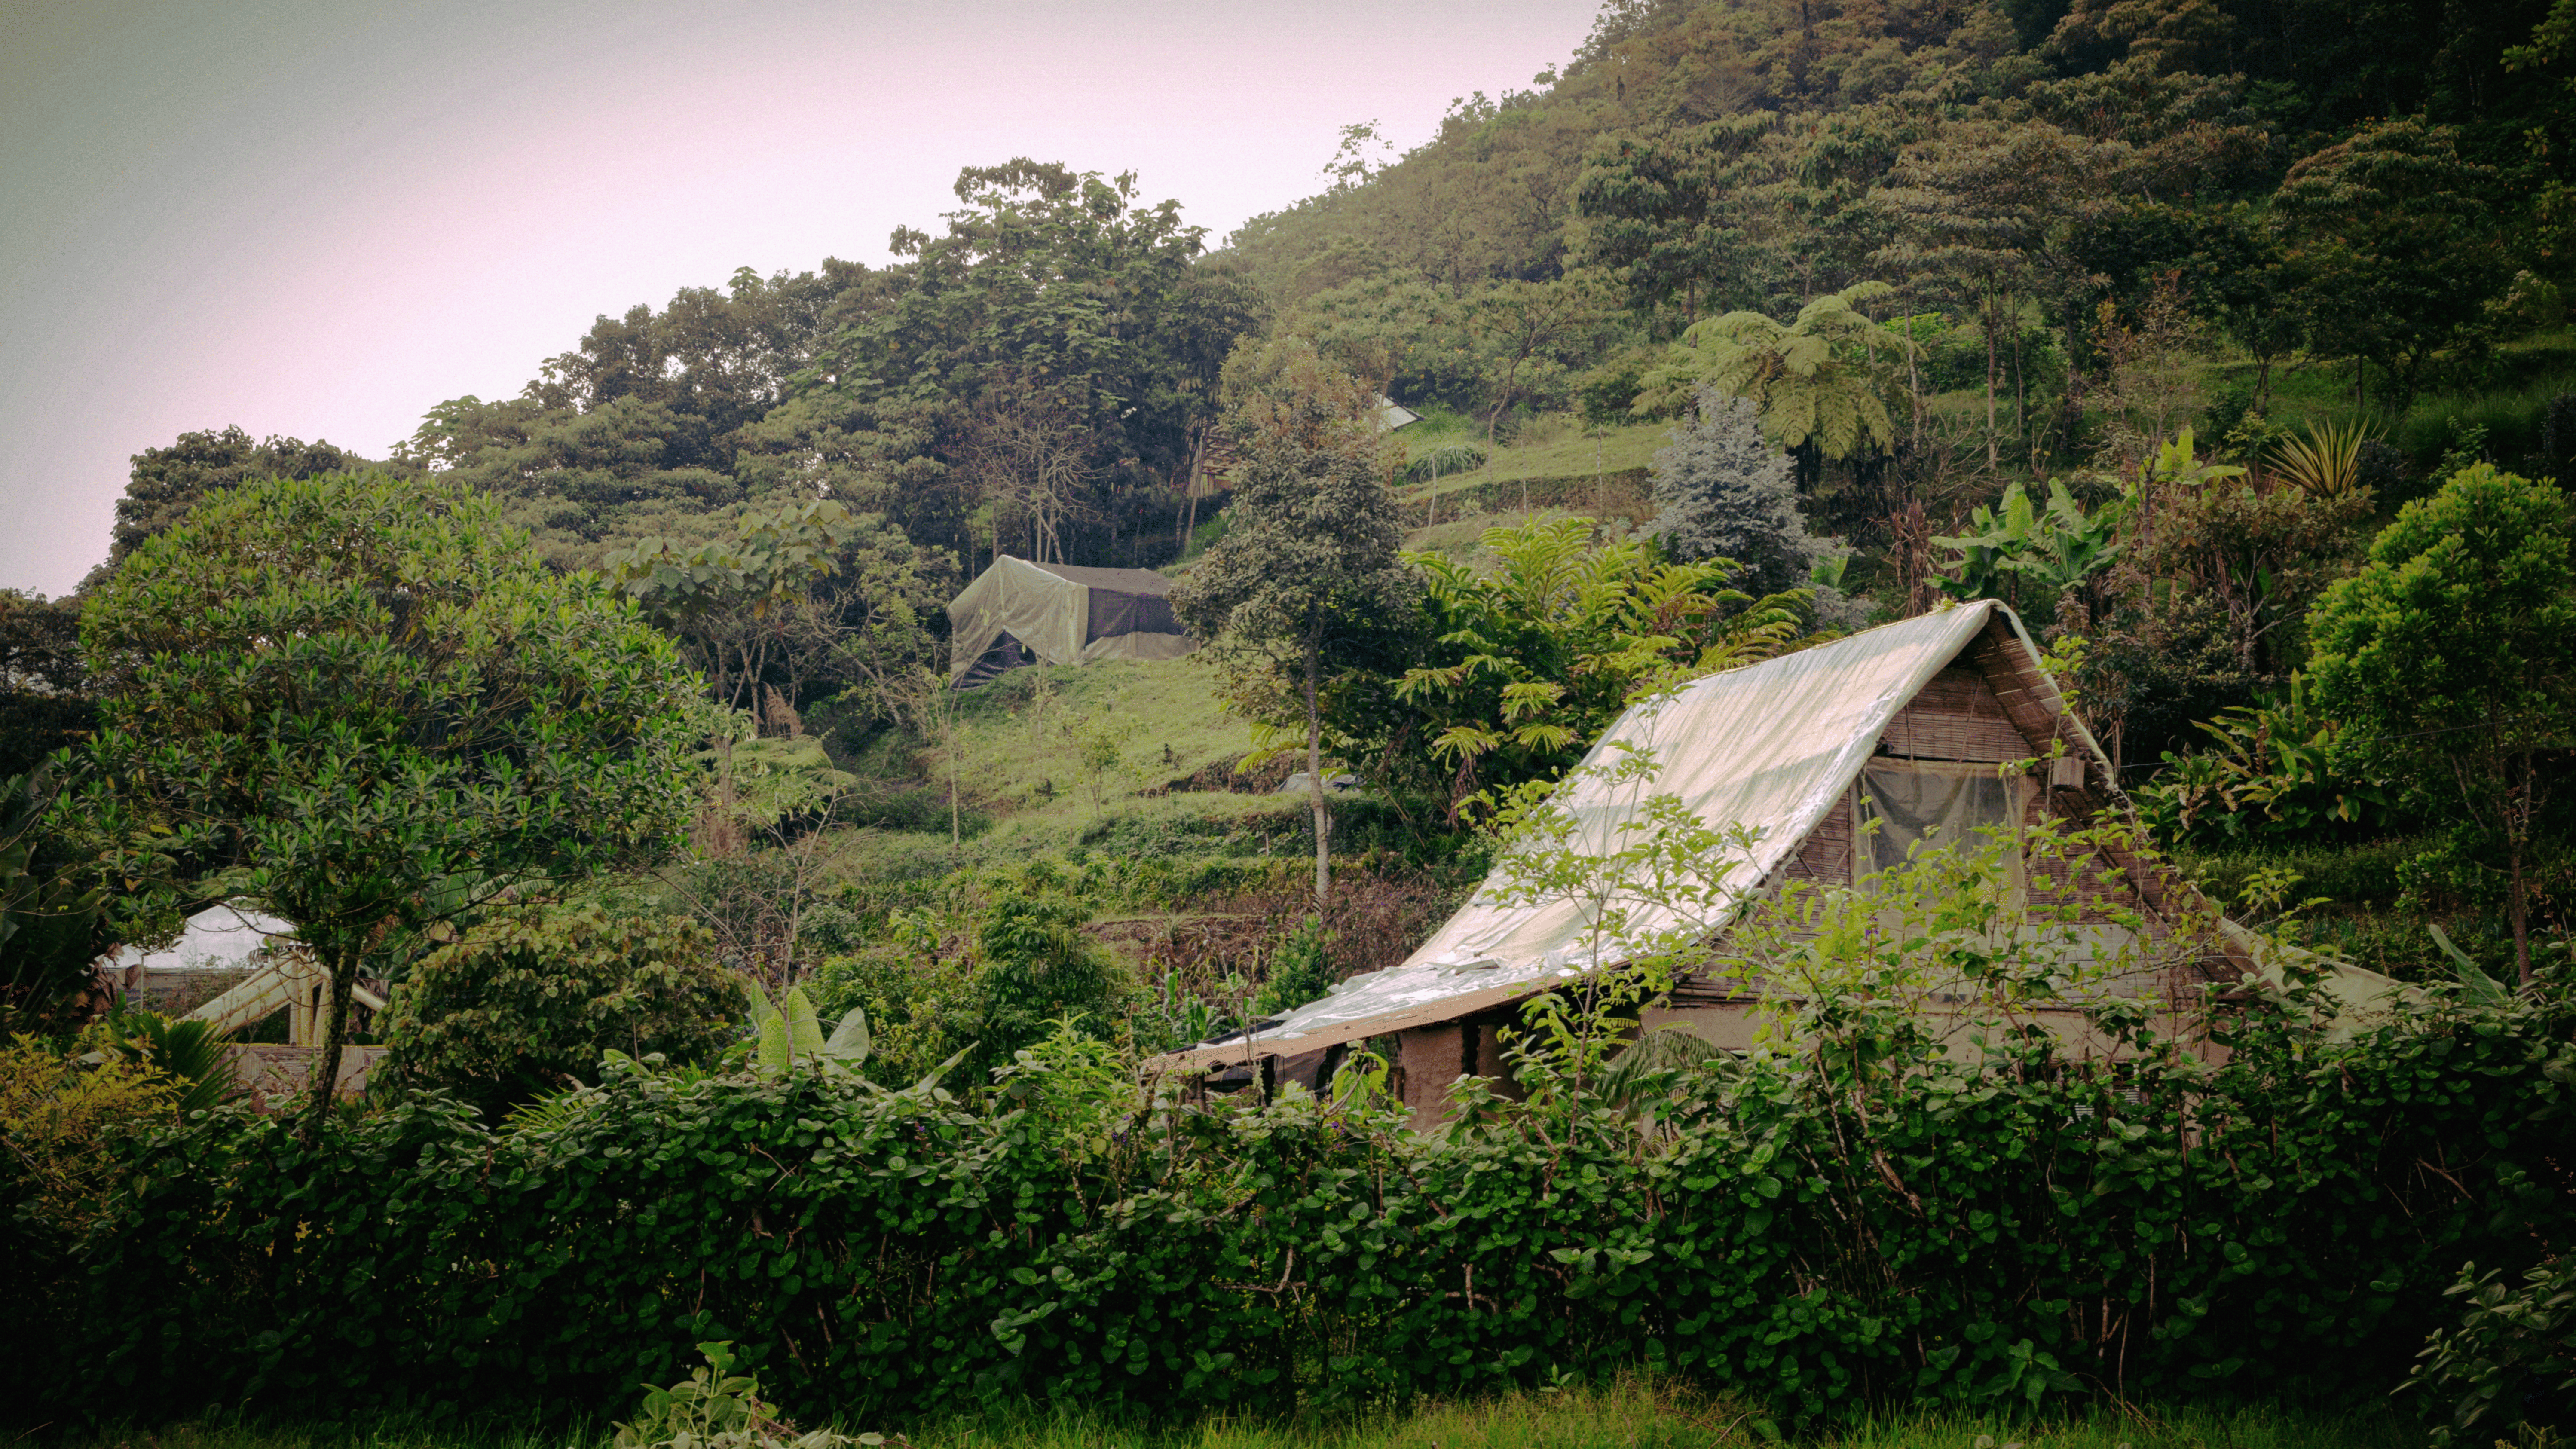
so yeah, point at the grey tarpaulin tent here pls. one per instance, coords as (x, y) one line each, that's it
(1061, 614)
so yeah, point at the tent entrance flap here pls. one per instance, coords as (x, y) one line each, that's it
(1005, 656)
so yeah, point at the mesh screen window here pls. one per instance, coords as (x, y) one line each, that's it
(1937, 801)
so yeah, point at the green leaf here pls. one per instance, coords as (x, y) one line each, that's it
(804, 1032)
(850, 1042)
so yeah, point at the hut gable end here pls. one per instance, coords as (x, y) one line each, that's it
(1955, 716)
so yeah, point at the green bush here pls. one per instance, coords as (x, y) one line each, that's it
(715, 1408)
(526, 1003)
(1036, 967)
(1446, 461)
(2510, 1343)
(920, 1008)
(2346, 875)
(1300, 972)
(1997, 1232)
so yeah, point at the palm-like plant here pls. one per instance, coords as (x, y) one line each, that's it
(2325, 462)
(1815, 379)
(2271, 767)
(190, 1053)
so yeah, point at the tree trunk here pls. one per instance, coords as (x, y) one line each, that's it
(1187, 516)
(1315, 785)
(326, 1072)
(2021, 394)
(1914, 390)
(2517, 818)
(1992, 462)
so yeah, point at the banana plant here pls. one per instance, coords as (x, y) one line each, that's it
(789, 1031)
(2058, 547)
(2477, 988)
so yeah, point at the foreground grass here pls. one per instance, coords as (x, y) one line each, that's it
(1632, 1414)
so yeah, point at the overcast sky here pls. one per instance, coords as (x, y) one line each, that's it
(321, 217)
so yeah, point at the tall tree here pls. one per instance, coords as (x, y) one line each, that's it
(53, 909)
(1979, 209)
(2395, 246)
(1536, 647)
(366, 701)
(730, 601)
(2451, 657)
(1310, 544)
(167, 482)
(1064, 286)
(1529, 329)
(44, 700)
(583, 481)
(1665, 215)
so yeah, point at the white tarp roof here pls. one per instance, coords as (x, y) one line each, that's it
(1766, 747)
(218, 938)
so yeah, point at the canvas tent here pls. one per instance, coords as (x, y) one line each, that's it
(1018, 612)
(1902, 724)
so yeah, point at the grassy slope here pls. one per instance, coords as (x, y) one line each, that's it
(1551, 447)
(1621, 1416)
(1027, 791)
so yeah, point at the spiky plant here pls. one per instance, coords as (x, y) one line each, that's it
(2325, 462)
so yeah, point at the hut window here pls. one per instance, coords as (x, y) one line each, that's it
(1935, 801)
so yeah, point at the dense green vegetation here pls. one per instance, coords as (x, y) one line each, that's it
(1803, 1235)
(749, 985)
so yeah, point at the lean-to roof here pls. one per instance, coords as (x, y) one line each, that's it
(1767, 748)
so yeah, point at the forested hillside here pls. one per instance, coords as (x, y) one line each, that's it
(733, 977)
(2142, 316)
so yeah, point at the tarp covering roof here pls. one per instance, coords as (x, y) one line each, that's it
(1768, 748)
(1065, 614)
(219, 938)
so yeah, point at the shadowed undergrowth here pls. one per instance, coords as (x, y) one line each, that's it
(1632, 1413)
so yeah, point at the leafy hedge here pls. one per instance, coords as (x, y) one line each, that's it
(2002, 1230)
